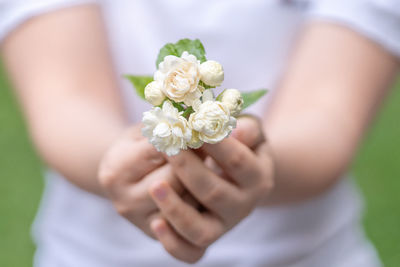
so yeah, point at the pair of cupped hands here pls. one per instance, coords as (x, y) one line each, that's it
(190, 200)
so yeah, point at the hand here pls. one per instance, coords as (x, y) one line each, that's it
(126, 172)
(227, 200)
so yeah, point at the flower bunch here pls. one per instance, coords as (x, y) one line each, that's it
(186, 114)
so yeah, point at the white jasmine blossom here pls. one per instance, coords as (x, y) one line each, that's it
(153, 93)
(195, 142)
(232, 98)
(208, 95)
(180, 78)
(166, 129)
(212, 122)
(190, 115)
(211, 73)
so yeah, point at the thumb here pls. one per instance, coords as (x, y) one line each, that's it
(249, 131)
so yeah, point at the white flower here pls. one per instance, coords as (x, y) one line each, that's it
(207, 95)
(211, 73)
(153, 93)
(166, 129)
(212, 121)
(195, 142)
(232, 98)
(180, 78)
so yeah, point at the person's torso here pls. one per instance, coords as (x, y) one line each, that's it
(252, 39)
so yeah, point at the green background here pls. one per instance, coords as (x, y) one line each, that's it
(377, 168)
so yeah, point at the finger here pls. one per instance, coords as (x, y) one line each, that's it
(174, 244)
(215, 168)
(249, 131)
(214, 192)
(146, 224)
(139, 192)
(135, 132)
(127, 162)
(200, 153)
(236, 159)
(195, 227)
(189, 199)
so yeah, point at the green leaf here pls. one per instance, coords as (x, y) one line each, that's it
(139, 82)
(218, 98)
(187, 112)
(194, 47)
(250, 98)
(166, 50)
(178, 106)
(201, 83)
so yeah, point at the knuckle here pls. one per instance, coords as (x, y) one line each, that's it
(123, 210)
(107, 177)
(204, 239)
(245, 210)
(173, 248)
(244, 203)
(214, 196)
(172, 211)
(153, 156)
(185, 222)
(236, 161)
(139, 198)
(180, 162)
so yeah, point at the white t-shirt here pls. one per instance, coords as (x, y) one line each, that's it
(251, 38)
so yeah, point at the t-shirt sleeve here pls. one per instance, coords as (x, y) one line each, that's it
(14, 12)
(378, 20)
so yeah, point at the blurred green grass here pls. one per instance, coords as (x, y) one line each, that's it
(377, 168)
(21, 183)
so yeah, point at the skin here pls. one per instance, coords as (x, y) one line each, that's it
(62, 77)
(331, 90)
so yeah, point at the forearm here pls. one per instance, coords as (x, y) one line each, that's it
(73, 141)
(334, 85)
(67, 88)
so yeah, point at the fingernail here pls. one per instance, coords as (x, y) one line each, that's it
(159, 191)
